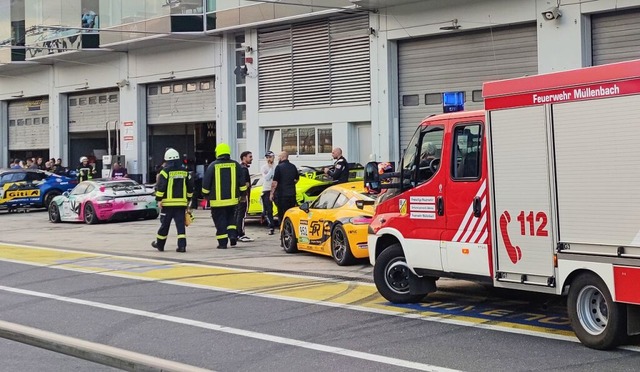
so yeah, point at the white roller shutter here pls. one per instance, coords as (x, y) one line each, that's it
(459, 62)
(318, 63)
(615, 37)
(29, 124)
(186, 101)
(90, 112)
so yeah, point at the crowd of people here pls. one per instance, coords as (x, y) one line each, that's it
(52, 165)
(226, 186)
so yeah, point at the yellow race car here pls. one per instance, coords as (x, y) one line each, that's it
(335, 224)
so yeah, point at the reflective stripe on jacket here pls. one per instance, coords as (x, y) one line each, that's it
(175, 187)
(223, 182)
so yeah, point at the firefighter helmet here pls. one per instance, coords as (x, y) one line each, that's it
(223, 149)
(171, 154)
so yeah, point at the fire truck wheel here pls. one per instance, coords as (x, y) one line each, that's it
(391, 275)
(598, 322)
(288, 236)
(340, 249)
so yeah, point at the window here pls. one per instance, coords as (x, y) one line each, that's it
(410, 100)
(80, 189)
(342, 200)
(307, 141)
(12, 123)
(241, 112)
(73, 102)
(20, 122)
(35, 176)
(290, 141)
(113, 98)
(476, 96)
(166, 89)
(467, 158)
(178, 88)
(433, 99)
(325, 140)
(102, 99)
(27, 121)
(82, 101)
(153, 90)
(191, 87)
(45, 120)
(205, 85)
(241, 94)
(326, 200)
(93, 100)
(36, 121)
(430, 153)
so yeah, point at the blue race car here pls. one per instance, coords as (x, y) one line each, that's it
(21, 188)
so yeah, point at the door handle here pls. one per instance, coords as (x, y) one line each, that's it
(477, 206)
(440, 206)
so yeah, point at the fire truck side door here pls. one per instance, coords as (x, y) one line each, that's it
(465, 241)
(424, 176)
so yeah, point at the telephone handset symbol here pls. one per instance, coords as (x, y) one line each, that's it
(515, 254)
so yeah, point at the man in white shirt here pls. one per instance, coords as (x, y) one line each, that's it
(267, 176)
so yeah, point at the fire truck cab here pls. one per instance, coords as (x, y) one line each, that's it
(539, 192)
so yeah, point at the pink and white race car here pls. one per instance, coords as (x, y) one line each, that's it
(105, 200)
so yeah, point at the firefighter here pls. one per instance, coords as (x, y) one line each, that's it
(173, 191)
(85, 170)
(222, 185)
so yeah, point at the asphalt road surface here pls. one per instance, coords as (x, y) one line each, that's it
(257, 308)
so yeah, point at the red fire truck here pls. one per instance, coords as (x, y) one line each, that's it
(539, 192)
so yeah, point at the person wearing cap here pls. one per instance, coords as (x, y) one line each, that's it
(246, 158)
(267, 171)
(173, 192)
(223, 184)
(85, 170)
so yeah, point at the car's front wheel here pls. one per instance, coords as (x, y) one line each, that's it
(90, 216)
(391, 275)
(48, 197)
(340, 249)
(288, 236)
(54, 213)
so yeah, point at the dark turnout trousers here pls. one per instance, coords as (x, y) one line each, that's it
(176, 214)
(224, 218)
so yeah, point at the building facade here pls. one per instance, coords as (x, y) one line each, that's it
(90, 78)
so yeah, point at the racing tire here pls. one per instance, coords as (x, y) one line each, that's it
(90, 217)
(54, 213)
(340, 249)
(48, 197)
(151, 216)
(391, 276)
(288, 237)
(599, 323)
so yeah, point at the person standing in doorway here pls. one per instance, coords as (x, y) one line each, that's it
(222, 185)
(173, 192)
(267, 171)
(119, 171)
(246, 158)
(339, 172)
(283, 187)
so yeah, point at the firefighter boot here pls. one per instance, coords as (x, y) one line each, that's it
(158, 246)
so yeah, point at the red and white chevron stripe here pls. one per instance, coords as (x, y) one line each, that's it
(474, 229)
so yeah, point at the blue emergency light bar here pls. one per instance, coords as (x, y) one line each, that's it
(452, 101)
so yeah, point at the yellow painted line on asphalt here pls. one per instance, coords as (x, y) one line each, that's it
(357, 296)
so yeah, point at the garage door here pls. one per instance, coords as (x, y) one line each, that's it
(615, 37)
(90, 112)
(459, 62)
(29, 124)
(185, 101)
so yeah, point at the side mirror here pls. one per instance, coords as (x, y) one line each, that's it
(305, 207)
(371, 177)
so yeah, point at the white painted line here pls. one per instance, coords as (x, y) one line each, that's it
(437, 319)
(238, 332)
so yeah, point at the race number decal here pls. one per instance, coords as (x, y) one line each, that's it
(303, 232)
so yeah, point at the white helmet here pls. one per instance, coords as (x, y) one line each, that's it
(84, 158)
(171, 154)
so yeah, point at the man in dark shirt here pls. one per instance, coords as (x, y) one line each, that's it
(283, 188)
(246, 158)
(118, 171)
(339, 172)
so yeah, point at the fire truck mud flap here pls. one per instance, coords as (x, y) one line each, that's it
(395, 281)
